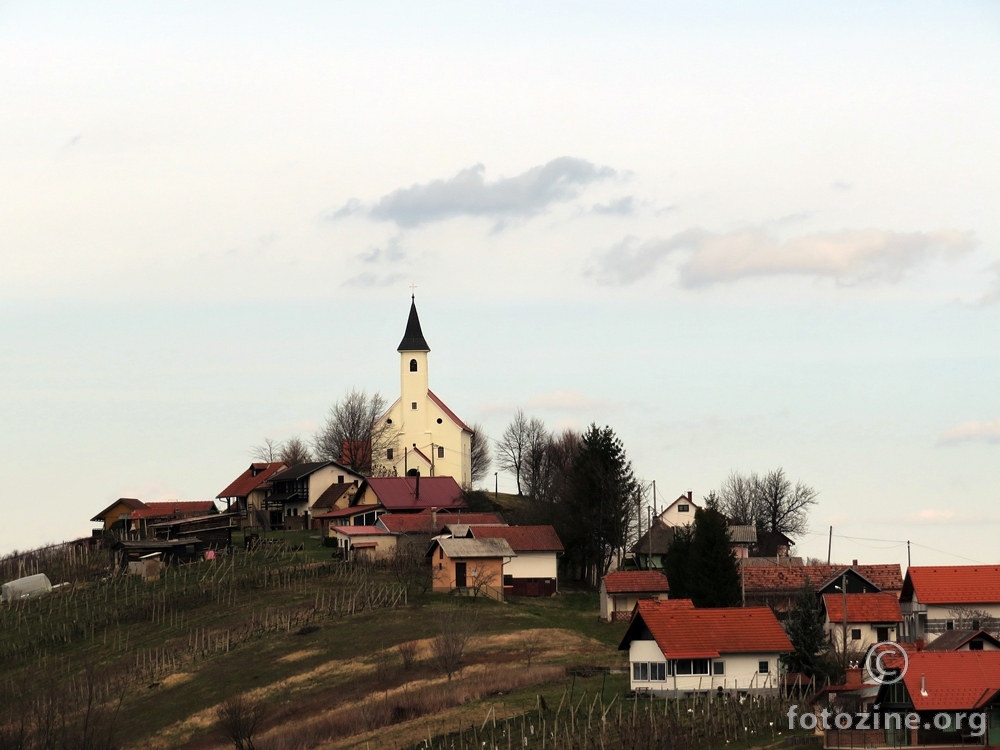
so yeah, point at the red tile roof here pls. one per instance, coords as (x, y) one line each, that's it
(399, 493)
(247, 482)
(953, 584)
(422, 523)
(360, 530)
(954, 680)
(636, 582)
(861, 608)
(172, 509)
(353, 510)
(688, 633)
(521, 538)
(454, 417)
(790, 579)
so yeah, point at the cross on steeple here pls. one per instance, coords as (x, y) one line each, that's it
(413, 295)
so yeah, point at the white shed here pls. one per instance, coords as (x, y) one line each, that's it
(25, 588)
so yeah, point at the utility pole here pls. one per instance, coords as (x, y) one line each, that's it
(843, 586)
(496, 486)
(907, 553)
(654, 497)
(829, 546)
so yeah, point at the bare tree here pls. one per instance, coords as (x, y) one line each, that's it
(456, 627)
(782, 506)
(482, 457)
(357, 432)
(268, 451)
(512, 448)
(738, 499)
(536, 472)
(294, 451)
(239, 718)
(970, 618)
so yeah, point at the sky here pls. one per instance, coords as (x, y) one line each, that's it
(745, 236)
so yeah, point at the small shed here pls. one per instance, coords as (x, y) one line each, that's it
(470, 566)
(371, 542)
(28, 587)
(622, 589)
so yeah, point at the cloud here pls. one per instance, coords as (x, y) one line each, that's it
(469, 194)
(847, 256)
(620, 207)
(972, 432)
(392, 253)
(555, 401)
(992, 295)
(370, 279)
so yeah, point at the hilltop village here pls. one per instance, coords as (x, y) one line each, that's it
(694, 601)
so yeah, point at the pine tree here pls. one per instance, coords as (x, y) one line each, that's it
(714, 577)
(677, 564)
(805, 631)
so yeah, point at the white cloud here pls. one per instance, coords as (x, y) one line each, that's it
(847, 256)
(469, 194)
(555, 401)
(972, 432)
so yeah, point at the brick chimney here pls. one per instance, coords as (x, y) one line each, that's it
(434, 520)
(417, 490)
(690, 495)
(854, 563)
(920, 643)
(853, 677)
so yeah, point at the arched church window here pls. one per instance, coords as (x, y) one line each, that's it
(413, 365)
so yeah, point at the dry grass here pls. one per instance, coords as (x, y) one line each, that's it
(299, 655)
(412, 701)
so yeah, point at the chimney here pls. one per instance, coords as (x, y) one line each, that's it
(417, 491)
(923, 685)
(853, 676)
(434, 520)
(919, 643)
(854, 563)
(690, 495)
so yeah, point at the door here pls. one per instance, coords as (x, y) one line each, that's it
(460, 575)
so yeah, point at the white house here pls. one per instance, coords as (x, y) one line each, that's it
(871, 618)
(621, 590)
(680, 512)
(936, 599)
(534, 570)
(677, 650)
(431, 439)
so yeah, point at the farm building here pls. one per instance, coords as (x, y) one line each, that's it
(622, 589)
(534, 571)
(370, 542)
(469, 566)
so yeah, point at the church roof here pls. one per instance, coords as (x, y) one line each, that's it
(413, 338)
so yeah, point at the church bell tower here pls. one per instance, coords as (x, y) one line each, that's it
(413, 381)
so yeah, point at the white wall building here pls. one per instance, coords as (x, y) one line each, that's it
(936, 599)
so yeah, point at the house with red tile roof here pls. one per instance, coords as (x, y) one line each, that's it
(379, 495)
(534, 571)
(431, 439)
(776, 586)
(675, 650)
(296, 491)
(369, 542)
(871, 618)
(936, 599)
(621, 590)
(250, 488)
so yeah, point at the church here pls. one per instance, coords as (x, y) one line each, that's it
(430, 439)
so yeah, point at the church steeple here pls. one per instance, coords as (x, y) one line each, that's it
(413, 338)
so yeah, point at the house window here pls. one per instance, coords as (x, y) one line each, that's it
(683, 508)
(413, 405)
(640, 671)
(856, 634)
(658, 671)
(718, 667)
(882, 634)
(388, 453)
(949, 625)
(388, 421)
(340, 477)
(508, 580)
(440, 553)
(413, 365)
(691, 666)
(440, 420)
(975, 624)
(440, 451)
(976, 645)
(763, 667)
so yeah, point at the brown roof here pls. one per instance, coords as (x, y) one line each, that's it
(655, 540)
(952, 640)
(175, 508)
(522, 538)
(129, 502)
(423, 523)
(636, 582)
(255, 475)
(332, 494)
(400, 493)
(790, 579)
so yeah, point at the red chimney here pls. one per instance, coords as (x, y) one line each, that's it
(690, 493)
(417, 491)
(853, 677)
(919, 643)
(854, 563)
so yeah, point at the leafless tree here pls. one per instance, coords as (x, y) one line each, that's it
(537, 470)
(268, 451)
(512, 447)
(456, 627)
(410, 568)
(481, 579)
(408, 654)
(357, 432)
(482, 456)
(970, 618)
(532, 644)
(294, 451)
(239, 718)
(768, 501)
(738, 499)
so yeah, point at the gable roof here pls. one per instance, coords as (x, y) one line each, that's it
(952, 640)
(468, 548)
(742, 534)
(332, 494)
(952, 680)
(952, 584)
(255, 475)
(867, 608)
(451, 415)
(129, 502)
(424, 522)
(301, 471)
(359, 530)
(685, 498)
(400, 493)
(174, 508)
(688, 633)
(522, 538)
(656, 539)
(413, 337)
(636, 582)
(789, 579)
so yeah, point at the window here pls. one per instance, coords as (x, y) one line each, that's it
(976, 645)
(388, 421)
(718, 667)
(439, 420)
(413, 405)
(388, 453)
(949, 625)
(975, 624)
(440, 553)
(340, 477)
(413, 365)
(882, 634)
(440, 451)
(640, 671)
(691, 666)
(763, 667)
(855, 634)
(508, 580)
(658, 671)
(683, 508)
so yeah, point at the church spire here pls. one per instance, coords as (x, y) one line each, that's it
(413, 338)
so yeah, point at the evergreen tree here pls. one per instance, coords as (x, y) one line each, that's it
(805, 631)
(677, 564)
(714, 577)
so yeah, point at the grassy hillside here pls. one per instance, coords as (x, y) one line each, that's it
(338, 656)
